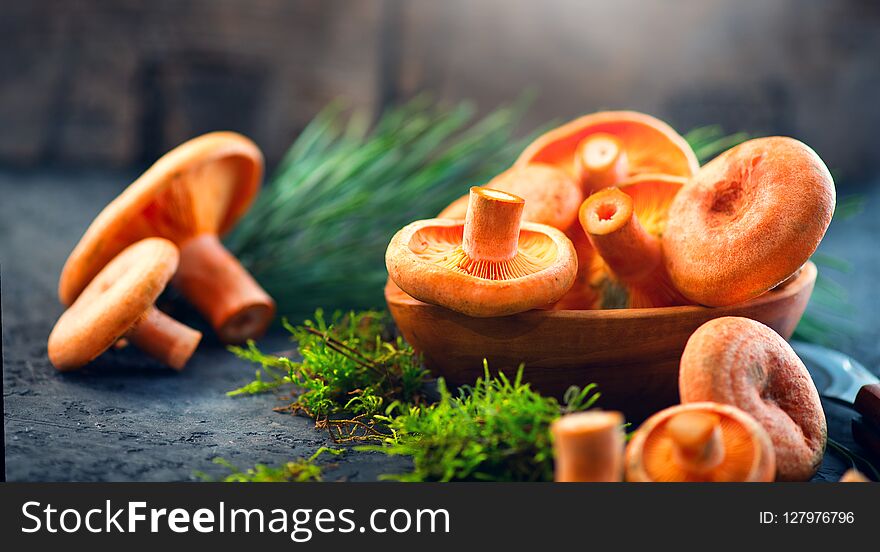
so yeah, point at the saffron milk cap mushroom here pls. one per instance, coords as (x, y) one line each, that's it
(624, 226)
(192, 195)
(489, 264)
(741, 362)
(703, 441)
(748, 220)
(608, 147)
(118, 303)
(588, 446)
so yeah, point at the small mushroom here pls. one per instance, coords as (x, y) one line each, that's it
(489, 264)
(551, 196)
(588, 447)
(748, 220)
(191, 196)
(118, 303)
(624, 226)
(741, 362)
(853, 475)
(606, 148)
(700, 442)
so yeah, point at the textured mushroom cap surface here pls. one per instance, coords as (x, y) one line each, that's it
(748, 220)
(425, 259)
(114, 301)
(202, 186)
(552, 197)
(747, 451)
(651, 145)
(744, 363)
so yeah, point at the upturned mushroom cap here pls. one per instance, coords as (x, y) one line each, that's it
(552, 197)
(625, 144)
(700, 442)
(490, 264)
(115, 300)
(624, 225)
(748, 220)
(202, 186)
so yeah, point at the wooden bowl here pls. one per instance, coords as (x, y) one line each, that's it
(631, 354)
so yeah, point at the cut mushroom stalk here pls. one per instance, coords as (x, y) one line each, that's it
(491, 226)
(632, 253)
(164, 338)
(600, 162)
(220, 288)
(588, 447)
(697, 441)
(118, 303)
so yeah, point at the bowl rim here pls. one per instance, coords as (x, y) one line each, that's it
(806, 278)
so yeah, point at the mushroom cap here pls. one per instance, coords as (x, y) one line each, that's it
(651, 146)
(552, 197)
(741, 362)
(202, 186)
(748, 220)
(651, 195)
(118, 297)
(747, 455)
(425, 259)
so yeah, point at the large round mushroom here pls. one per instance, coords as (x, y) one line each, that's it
(117, 303)
(490, 264)
(748, 220)
(192, 195)
(608, 147)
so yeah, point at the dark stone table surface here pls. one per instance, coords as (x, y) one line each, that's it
(124, 418)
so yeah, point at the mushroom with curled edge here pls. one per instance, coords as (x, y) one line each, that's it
(119, 303)
(624, 226)
(489, 264)
(748, 220)
(700, 442)
(588, 447)
(191, 196)
(741, 362)
(608, 147)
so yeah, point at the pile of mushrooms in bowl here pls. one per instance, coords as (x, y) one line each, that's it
(602, 249)
(165, 228)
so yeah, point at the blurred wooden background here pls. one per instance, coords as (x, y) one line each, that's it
(91, 83)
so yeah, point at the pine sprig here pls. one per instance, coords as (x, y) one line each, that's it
(496, 430)
(317, 234)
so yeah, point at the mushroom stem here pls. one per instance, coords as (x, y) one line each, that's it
(213, 280)
(615, 232)
(164, 338)
(600, 162)
(589, 447)
(491, 226)
(697, 440)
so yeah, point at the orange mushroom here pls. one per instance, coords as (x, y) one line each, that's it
(588, 447)
(606, 148)
(853, 475)
(117, 303)
(551, 196)
(191, 196)
(624, 226)
(702, 441)
(489, 264)
(744, 363)
(748, 220)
